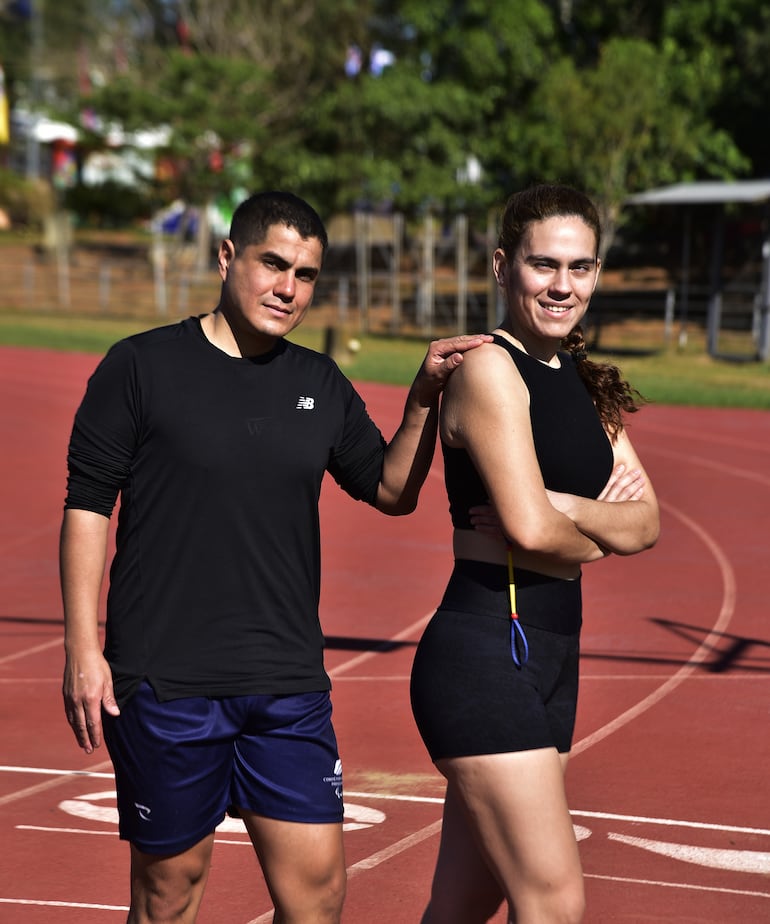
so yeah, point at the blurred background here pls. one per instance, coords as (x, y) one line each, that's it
(130, 129)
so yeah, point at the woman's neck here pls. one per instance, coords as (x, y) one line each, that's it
(542, 350)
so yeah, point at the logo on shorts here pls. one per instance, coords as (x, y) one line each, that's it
(144, 811)
(335, 781)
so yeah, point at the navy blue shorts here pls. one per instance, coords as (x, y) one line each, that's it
(181, 765)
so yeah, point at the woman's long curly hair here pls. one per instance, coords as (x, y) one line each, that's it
(611, 393)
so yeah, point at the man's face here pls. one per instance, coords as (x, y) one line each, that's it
(268, 287)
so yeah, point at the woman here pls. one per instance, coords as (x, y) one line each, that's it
(535, 448)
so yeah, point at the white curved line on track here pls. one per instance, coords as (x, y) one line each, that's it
(701, 652)
(731, 470)
(699, 435)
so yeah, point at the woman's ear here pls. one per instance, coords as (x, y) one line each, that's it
(596, 277)
(499, 266)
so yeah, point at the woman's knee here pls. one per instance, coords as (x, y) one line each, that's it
(560, 904)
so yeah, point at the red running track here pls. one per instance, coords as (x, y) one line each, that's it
(668, 780)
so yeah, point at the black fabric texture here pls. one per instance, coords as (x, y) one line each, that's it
(218, 463)
(573, 451)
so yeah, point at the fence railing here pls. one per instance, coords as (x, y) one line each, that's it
(377, 290)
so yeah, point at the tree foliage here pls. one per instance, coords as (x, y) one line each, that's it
(474, 99)
(632, 121)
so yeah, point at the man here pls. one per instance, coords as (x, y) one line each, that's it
(211, 693)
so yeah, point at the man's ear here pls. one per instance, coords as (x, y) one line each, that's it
(225, 256)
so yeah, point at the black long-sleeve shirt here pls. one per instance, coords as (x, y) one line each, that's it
(218, 462)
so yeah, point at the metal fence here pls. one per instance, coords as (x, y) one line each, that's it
(379, 278)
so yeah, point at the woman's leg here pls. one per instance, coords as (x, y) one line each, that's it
(516, 808)
(464, 890)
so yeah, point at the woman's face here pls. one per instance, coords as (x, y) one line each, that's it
(549, 281)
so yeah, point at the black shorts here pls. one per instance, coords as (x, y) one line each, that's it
(468, 695)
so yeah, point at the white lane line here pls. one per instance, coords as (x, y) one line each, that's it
(48, 784)
(394, 849)
(407, 633)
(704, 650)
(724, 469)
(673, 823)
(712, 440)
(44, 904)
(749, 893)
(50, 772)
(735, 861)
(30, 651)
(395, 797)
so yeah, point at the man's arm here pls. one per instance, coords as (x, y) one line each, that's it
(409, 454)
(87, 684)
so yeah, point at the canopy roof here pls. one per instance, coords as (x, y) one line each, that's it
(704, 192)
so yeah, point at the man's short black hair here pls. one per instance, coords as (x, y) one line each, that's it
(256, 215)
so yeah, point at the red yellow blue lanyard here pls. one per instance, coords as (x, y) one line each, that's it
(517, 630)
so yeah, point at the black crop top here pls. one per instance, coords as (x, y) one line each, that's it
(572, 447)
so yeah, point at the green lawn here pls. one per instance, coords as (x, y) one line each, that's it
(669, 376)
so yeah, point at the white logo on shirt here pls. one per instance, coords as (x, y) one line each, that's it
(305, 404)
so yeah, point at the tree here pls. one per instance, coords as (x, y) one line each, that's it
(406, 135)
(633, 121)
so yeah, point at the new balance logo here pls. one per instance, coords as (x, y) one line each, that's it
(305, 404)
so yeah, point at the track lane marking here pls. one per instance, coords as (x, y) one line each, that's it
(748, 893)
(720, 467)
(36, 649)
(701, 653)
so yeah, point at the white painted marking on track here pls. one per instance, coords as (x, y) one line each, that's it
(51, 830)
(672, 822)
(17, 655)
(751, 446)
(698, 656)
(436, 800)
(356, 818)
(747, 893)
(45, 771)
(409, 632)
(399, 847)
(41, 787)
(39, 902)
(736, 861)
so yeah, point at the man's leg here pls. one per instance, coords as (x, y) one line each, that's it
(169, 889)
(304, 867)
